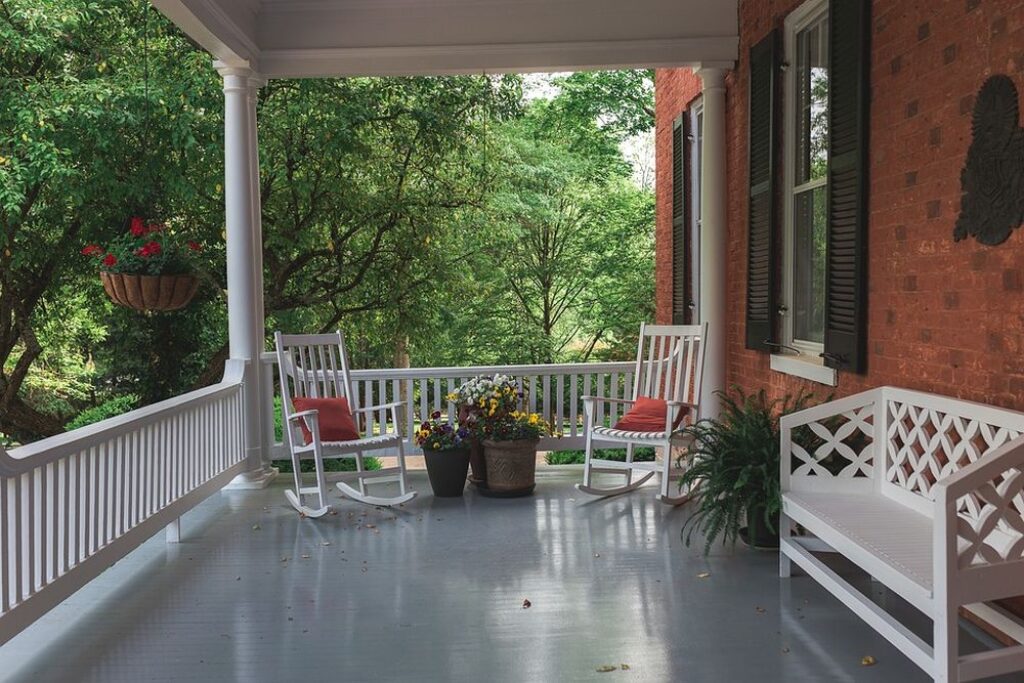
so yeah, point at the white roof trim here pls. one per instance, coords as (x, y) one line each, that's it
(465, 59)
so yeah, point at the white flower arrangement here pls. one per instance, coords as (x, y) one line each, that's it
(480, 391)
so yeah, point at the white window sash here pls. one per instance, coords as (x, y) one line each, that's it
(805, 15)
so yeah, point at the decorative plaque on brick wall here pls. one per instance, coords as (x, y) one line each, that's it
(992, 181)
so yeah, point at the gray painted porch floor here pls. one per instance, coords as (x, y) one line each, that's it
(434, 591)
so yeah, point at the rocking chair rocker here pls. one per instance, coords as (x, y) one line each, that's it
(669, 365)
(316, 366)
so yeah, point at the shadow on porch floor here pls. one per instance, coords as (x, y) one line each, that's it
(434, 591)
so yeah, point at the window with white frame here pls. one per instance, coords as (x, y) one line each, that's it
(806, 179)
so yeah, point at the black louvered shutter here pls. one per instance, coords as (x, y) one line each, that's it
(680, 310)
(761, 218)
(846, 270)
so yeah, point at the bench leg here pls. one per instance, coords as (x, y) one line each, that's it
(946, 645)
(785, 530)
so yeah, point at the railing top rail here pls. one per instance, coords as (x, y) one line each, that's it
(30, 456)
(473, 370)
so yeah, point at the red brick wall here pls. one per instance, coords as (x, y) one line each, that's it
(674, 90)
(942, 316)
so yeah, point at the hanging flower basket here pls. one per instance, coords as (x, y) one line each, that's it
(150, 268)
(150, 292)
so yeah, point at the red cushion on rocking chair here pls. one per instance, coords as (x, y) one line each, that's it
(335, 418)
(648, 415)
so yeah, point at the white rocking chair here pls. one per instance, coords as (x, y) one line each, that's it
(316, 366)
(669, 365)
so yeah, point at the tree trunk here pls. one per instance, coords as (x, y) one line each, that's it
(214, 368)
(23, 421)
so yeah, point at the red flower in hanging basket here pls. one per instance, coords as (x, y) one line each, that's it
(137, 227)
(149, 249)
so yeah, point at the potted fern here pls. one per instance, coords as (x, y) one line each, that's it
(735, 466)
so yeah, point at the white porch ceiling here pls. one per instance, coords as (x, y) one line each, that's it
(296, 38)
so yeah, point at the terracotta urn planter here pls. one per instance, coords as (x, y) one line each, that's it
(447, 470)
(511, 467)
(150, 292)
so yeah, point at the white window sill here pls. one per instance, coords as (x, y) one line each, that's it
(813, 369)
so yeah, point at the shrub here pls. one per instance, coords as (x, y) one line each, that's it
(330, 465)
(735, 463)
(112, 408)
(578, 457)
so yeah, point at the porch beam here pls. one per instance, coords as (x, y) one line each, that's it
(245, 259)
(713, 234)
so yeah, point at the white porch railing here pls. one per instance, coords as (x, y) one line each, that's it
(74, 504)
(555, 391)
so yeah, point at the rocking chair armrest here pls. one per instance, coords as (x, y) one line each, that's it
(383, 406)
(303, 414)
(678, 404)
(604, 399)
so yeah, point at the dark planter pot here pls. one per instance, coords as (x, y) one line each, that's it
(447, 471)
(476, 449)
(511, 467)
(757, 533)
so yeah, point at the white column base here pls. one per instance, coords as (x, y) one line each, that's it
(255, 479)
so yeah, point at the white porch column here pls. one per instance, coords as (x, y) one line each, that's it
(245, 257)
(713, 239)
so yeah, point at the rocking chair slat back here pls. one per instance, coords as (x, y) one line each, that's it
(313, 366)
(670, 362)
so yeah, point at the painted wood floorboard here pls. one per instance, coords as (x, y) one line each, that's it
(434, 591)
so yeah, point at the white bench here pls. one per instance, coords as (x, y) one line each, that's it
(922, 492)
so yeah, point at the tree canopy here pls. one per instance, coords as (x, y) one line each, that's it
(438, 220)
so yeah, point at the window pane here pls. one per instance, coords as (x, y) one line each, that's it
(809, 265)
(812, 102)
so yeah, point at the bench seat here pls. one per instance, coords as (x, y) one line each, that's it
(888, 540)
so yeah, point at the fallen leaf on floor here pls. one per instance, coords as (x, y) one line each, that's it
(364, 570)
(867, 660)
(597, 554)
(760, 610)
(332, 513)
(703, 575)
(305, 557)
(255, 527)
(326, 543)
(371, 526)
(785, 650)
(284, 559)
(606, 668)
(624, 667)
(527, 604)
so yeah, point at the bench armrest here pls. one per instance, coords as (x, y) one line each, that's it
(979, 528)
(852, 409)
